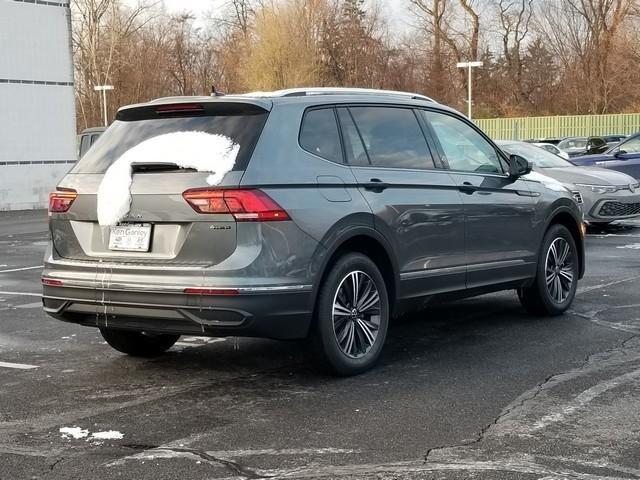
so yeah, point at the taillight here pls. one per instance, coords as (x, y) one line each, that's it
(61, 200)
(244, 205)
(50, 282)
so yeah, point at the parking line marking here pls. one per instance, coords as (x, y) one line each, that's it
(207, 341)
(30, 305)
(21, 269)
(605, 285)
(27, 294)
(19, 366)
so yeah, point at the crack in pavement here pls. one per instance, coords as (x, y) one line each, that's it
(53, 465)
(235, 467)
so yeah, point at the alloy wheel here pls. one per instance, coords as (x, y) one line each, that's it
(559, 270)
(356, 314)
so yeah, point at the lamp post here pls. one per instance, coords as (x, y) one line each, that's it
(470, 66)
(103, 89)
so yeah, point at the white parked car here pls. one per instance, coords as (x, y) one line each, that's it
(604, 195)
(549, 147)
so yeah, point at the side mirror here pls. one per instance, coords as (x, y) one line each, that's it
(619, 154)
(518, 166)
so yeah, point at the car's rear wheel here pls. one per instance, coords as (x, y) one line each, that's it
(352, 315)
(138, 344)
(556, 279)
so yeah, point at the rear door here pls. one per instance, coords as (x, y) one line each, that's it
(416, 206)
(499, 211)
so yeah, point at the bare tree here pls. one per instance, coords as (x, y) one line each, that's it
(515, 21)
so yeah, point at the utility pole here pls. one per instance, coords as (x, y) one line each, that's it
(103, 89)
(470, 66)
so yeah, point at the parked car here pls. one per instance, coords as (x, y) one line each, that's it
(342, 209)
(605, 195)
(576, 146)
(623, 157)
(87, 138)
(573, 146)
(614, 139)
(550, 140)
(552, 149)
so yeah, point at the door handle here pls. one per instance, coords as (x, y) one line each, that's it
(375, 185)
(468, 188)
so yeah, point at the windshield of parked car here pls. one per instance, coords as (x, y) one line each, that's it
(630, 146)
(573, 143)
(537, 156)
(548, 147)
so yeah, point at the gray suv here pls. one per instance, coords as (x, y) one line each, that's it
(343, 208)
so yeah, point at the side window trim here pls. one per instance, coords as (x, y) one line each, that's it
(331, 107)
(499, 153)
(355, 125)
(343, 146)
(432, 142)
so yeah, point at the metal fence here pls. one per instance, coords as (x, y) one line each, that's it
(525, 128)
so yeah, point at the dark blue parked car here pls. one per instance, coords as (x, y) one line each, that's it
(623, 157)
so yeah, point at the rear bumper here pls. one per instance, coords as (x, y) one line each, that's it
(282, 312)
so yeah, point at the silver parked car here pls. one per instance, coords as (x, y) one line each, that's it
(605, 195)
(549, 147)
(301, 213)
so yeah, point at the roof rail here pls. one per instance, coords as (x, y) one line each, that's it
(301, 92)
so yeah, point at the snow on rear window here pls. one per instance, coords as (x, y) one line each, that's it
(204, 152)
(244, 129)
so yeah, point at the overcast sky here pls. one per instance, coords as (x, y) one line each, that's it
(396, 10)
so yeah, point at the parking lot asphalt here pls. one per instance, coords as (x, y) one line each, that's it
(473, 389)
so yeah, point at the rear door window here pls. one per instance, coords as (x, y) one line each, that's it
(241, 124)
(392, 138)
(319, 134)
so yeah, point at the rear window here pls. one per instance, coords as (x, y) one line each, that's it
(243, 126)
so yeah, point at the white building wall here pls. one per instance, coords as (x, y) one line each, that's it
(37, 112)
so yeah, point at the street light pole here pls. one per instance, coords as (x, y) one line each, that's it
(103, 89)
(470, 66)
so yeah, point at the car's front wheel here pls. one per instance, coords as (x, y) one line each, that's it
(554, 287)
(352, 315)
(138, 344)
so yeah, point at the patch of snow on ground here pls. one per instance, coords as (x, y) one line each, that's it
(73, 432)
(109, 435)
(204, 152)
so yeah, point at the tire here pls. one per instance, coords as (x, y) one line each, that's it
(349, 338)
(138, 344)
(553, 298)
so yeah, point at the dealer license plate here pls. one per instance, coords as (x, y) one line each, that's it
(132, 237)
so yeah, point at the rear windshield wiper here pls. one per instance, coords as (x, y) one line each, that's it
(158, 167)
